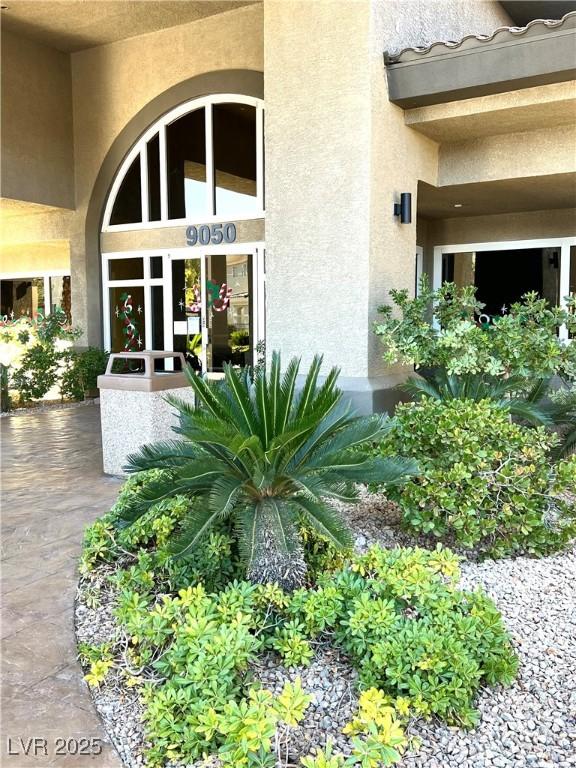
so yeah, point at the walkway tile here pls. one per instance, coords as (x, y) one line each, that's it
(52, 487)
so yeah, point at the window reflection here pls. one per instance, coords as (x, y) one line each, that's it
(186, 164)
(234, 136)
(128, 204)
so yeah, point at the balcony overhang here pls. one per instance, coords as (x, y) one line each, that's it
(510, 59)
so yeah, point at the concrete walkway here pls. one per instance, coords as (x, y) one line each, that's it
(52, 487)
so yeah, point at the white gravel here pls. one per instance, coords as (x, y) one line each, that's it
(531, 724)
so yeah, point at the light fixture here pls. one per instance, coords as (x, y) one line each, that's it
(457, 205)
(404, 208)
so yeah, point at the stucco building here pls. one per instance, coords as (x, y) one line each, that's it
(205, 176)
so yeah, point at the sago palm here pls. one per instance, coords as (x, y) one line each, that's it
(271, 455)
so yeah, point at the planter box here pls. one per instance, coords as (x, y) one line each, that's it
(133, 407)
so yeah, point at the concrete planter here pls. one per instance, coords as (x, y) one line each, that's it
(133, 407)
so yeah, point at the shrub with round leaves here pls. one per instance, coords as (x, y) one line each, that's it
(485, 480)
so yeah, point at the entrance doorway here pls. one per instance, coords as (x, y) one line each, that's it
(207, 303)
(213, 309)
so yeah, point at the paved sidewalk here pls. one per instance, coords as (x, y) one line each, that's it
(52, 487)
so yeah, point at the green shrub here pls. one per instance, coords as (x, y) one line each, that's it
(265, 456)
(485, 480)
(31, 355)
(36, 374)
(81, 372)
(523, 343)
(422, 648)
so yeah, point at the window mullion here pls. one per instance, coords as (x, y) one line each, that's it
(211, 202)
(144, 183)
(260, 157)
(163, 174)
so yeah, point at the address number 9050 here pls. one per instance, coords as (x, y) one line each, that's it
(212, 234)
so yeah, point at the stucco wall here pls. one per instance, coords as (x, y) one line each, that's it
(513, 155)
(508, 226)
(111, 84)
(337, 156)
(36, 106)
(422, 22)
(317, 93)
(400, 157)
(35, 257)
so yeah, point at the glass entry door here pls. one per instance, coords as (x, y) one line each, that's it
(188, 310)
(214, 309)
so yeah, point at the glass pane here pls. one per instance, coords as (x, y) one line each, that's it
(127, 207)
(127, 319)
(60, 295)
(234, 132)
(24, 296)
(187, 310)
(229, 310)
(126, 269)
(156, 266)
(157, 317)
(153, 149)
(186, 166)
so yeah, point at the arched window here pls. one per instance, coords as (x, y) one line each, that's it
(201, 162)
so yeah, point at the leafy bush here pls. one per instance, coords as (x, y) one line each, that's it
(37, 373)
(485, 481)
(422, 648)
(522, 343)
(541, 405)
(81, 372)
(266, 457)
(31, 353)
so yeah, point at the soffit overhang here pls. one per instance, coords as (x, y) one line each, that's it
(511, 58)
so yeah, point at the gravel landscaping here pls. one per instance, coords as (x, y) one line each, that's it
(531, 724)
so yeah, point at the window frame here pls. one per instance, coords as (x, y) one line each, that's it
(159, 128)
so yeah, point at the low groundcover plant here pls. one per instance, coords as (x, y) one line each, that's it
(186, 638)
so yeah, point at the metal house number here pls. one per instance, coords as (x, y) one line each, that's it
(212, 234)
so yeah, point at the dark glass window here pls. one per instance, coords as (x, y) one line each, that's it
(126, 269)
(153, 150)
(234, 136)
(156, 266)
(128, 205)
(186, 165)
(157, 317)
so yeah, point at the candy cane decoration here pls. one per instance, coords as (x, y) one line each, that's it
(129, 330)
(223, 300)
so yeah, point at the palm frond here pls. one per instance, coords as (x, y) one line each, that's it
(325, 520)
(162, 455)
(241, 406)
(384, 471)
(194, 527)
(306, 395)
(286, 398)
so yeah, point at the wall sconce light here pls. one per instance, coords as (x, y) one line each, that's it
(404, 208)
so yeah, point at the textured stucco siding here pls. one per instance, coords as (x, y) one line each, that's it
(509, 226)
(512, 155)
(37, 142)
(317, 93)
